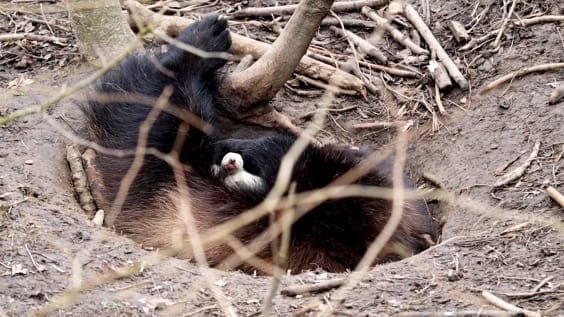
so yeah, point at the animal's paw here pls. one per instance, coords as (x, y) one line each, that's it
(209, 34)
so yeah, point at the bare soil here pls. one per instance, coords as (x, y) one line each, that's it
(504, 240)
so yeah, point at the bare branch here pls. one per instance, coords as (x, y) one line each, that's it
(289, 9)
(412, 15)
(395, 33)
(32, 37)
(259, 83)
(522, 72)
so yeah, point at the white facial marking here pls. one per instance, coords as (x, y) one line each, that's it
(232, 162)
(239, 178)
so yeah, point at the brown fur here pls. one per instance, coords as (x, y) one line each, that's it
(333, 236)
(159, 224)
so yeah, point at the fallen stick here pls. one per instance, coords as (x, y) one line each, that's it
(349, 23)
(362, 44)
(412, 15)
(242, 45)
(295, 290)
(395, 33)
(521, 72)
(439, 74)
(32, 37)
(318, 84)
(532, 294)
(496, 301)
(339, 6)
(519, 170)
(93, 177)
(506, 20)
(556, 195)
(387, 69)
(556, 95)
(438, 100)
(372, 125)
(542, 283)
(311, 113)
(523, 22)
(463, 313)
(79, 180)
(537, 20)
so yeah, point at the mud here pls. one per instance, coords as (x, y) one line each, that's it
(504, 240)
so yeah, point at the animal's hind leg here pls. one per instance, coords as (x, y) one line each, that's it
(196, 76)
(210, 35)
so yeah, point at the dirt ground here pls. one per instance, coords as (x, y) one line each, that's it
(504, 240)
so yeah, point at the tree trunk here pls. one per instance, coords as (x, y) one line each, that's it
(100, 27)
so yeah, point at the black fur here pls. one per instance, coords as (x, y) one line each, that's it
(334, 235)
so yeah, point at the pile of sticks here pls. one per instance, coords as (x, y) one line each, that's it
(417, 59)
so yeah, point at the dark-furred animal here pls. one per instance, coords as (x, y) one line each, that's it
(333, 236)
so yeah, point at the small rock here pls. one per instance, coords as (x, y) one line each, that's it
(29, 162)
(493, 146)
(504, 105)
(220, 283)
(19, 269)
(23, 63)
(453, 275)
(98, 218)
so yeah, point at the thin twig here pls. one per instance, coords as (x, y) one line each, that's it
(372, 125)
(294, 290)
(187, 216)
(412, 15)
(395, 33)
(349, 23)
(462, 313)
(507, 306)
(362, 44)
(286, 220)
(495, 43)
(387, 69)
(556, 195)
(32, 37)
(521, 72)
(38, 268)
(537, 20)
(289, 9)
(519, 170)
(542, 283)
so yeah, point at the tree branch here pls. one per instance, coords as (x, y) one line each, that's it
(290, 8)
(258, 84)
